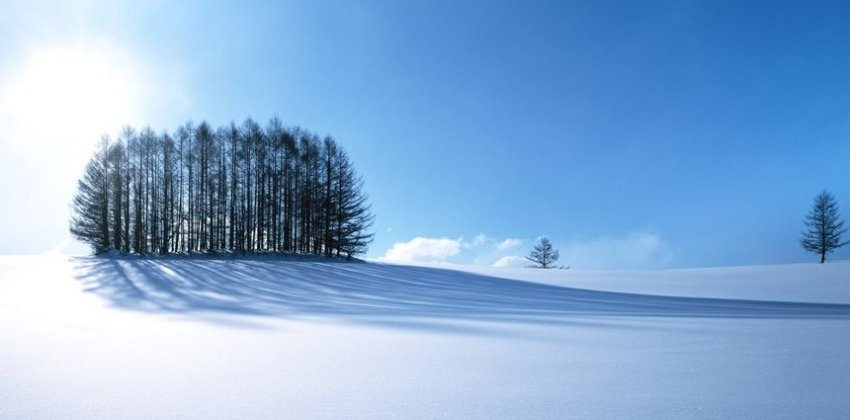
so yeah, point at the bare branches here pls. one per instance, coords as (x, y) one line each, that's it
(824, 227)
(544, 255)
(240, 188)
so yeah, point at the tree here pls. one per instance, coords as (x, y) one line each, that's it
(351, 214)
(168, 202)
(543, 255)
(90, 208)
(115, 157)
(824, 227)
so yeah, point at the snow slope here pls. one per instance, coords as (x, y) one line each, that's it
(194, 338)
(823, 283)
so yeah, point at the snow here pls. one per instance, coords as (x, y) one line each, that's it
(821, 283)
(202, 338)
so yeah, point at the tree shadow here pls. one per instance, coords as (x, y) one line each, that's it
(408, 297)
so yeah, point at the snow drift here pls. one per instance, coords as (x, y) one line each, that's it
(263, 338)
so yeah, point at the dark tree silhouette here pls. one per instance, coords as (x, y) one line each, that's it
(351, 216)
(116, 186)
(543, 255)
(824, 227)
(90, 220)
(239, 188)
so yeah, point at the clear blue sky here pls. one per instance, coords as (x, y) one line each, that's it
(633, 134)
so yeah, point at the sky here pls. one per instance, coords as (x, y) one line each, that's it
(652, 134)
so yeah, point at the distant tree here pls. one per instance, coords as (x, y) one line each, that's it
(824, 227)
(543, 255)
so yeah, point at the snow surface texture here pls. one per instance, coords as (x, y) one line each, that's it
(199, 339)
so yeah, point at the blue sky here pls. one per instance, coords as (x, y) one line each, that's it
(633, 134)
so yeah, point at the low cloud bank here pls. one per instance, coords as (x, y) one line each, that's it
(634, 250)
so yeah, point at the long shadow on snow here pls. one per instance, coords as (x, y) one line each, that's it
(388, 293)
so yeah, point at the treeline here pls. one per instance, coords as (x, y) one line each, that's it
(239, 188)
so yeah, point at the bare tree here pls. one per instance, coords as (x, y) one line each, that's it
(90, 208)
(824, 227)
(351, 215)
(116, 185)
(544, 255)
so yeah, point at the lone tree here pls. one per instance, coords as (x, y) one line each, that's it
(824, 227)
(543, 255)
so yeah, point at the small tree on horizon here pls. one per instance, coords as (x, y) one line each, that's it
(824, 227)
(544, 255)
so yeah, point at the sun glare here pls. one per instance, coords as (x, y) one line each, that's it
(65, 98)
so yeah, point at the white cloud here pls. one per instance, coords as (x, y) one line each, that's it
(511, 261)
(637, 250)
(508, 244)
(423, 250)
(480, 250)
(477, 241)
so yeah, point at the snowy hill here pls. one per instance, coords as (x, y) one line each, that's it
(242, 338)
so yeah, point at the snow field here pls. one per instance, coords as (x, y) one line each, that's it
(140, 339)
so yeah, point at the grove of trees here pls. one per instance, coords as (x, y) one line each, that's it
(824, 227)
(239, 188)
